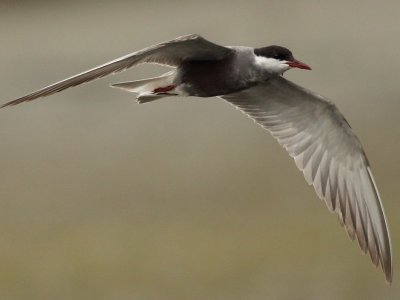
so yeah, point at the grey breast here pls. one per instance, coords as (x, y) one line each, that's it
(213, 78)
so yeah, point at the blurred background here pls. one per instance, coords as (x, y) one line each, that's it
(186, 198)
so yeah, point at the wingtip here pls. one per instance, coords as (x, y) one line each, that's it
(388, 270)
(6, 104)
(13, 102)
(389, 278)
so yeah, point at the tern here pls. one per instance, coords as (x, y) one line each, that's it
(308, 126)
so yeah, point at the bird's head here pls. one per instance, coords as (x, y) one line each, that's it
(277, 60)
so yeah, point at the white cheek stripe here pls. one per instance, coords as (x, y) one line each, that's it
(265, 62)
(271, 65)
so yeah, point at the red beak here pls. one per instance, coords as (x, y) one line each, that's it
(298, 64)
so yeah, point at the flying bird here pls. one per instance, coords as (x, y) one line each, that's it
(308, 126)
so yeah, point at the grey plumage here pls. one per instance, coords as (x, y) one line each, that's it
(309, 127)
(172, 53)
(325, 149)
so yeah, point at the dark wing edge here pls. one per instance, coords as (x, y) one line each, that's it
(329, 154)
(170, 53)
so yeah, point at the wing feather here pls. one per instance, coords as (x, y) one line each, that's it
(171, 53)
(329, 154)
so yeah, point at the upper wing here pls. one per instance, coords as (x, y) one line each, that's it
(326, 150)
(171, 53)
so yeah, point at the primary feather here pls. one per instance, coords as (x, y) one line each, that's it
(325, 149)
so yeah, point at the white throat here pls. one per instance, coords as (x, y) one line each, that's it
(271, 65)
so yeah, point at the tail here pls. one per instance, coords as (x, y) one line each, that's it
(149, 89)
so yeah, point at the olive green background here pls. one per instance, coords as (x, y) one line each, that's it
(185, 198)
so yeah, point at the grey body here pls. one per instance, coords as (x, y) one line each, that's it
(310, 128)
(234, 73)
